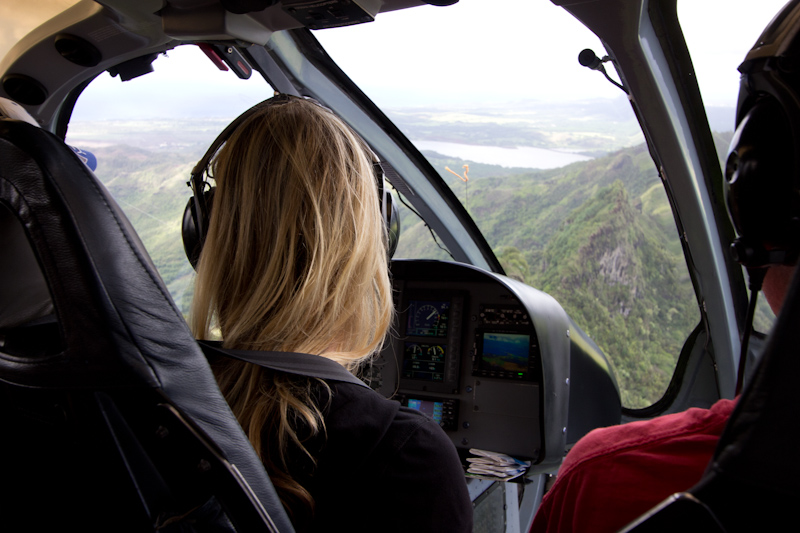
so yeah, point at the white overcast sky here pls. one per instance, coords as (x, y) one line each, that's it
(473, 51)
(456, 47)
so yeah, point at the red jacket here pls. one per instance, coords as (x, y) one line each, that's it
(613, 475)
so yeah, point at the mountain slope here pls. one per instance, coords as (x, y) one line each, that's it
(612, 274)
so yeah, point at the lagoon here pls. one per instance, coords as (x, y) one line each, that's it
(521, 156)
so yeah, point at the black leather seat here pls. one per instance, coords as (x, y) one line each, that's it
(110, 417)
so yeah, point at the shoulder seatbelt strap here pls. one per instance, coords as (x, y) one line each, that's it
(302, 364)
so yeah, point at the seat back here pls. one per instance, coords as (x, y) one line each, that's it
(110, 415)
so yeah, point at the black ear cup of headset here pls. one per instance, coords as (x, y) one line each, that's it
(762, 175)
(392, 218)
(389, 212)
(195, 224)
(197, 214)
(762, 193)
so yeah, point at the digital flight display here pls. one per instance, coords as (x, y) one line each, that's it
(428, 318)
(424, 362)
(430, 329)
(431, 408)
(505, 353)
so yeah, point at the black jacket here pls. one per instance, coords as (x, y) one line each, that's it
(377, 467)
(387, 468)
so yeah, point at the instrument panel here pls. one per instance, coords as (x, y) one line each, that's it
(487, 357)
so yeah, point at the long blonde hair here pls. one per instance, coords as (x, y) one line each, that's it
(295, 260)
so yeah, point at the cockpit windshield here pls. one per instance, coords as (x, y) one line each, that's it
(545, 155)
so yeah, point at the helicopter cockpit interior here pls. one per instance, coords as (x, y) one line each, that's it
(501, 333)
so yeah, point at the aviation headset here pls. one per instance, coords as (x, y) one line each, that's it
(762, 172)
(197, 214)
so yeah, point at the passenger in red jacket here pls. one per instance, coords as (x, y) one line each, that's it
(614, 475)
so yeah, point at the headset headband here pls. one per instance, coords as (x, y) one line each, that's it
(197, 213)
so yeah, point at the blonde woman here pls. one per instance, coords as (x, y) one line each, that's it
(295, 261)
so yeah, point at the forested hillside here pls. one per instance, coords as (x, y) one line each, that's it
(613, 271)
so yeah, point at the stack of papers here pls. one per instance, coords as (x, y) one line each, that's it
(495, 466)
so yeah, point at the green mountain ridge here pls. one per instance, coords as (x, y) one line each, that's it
(609, 269)
(525, 210)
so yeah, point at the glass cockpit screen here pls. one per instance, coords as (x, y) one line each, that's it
(431, 408)
(428, 318)
(431, 344)
(424, 362)
(505, 354)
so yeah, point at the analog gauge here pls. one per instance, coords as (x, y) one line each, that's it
(426, 318)
(436, 350)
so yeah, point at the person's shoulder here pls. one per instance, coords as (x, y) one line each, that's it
(357, 418)
(421, 469)
(410, 461)
(614, 474)
(350, 399)
(613, 441)
(410, 428)
(381, 427)
(353, 405)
